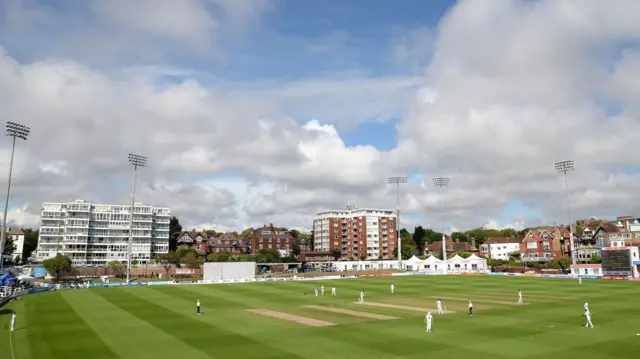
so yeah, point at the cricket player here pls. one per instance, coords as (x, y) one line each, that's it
(470, 309)
(439, 305)
(322, 290)
(361, 297)
(587, 314)
(198, 307)
(519, 296)
(316, 291)
(13, 321)
(393, 289)
(428, 319)
(586, 306)
(333, 291)
(579, 280)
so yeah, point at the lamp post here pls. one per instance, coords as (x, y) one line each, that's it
(16, 131)
(442, 182)
(135, 161)
(564, 167)
(397, 180)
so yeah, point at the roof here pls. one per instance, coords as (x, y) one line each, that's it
(501, 240)
(15, 232)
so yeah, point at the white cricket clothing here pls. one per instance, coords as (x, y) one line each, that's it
(519, 297)
(393, 288)
(322, 290)
(586, 306)
(198, 303)
(579, 280)
(587, 315)
(361, 297)
(429, 320)
(333, 291)
(439, 305)
(316, 291)
(470, 305)
(13, 322)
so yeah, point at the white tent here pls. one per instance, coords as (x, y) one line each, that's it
(477, 263)
(432, 260)
(413, 260)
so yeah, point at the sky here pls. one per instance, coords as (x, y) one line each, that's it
(267, 111)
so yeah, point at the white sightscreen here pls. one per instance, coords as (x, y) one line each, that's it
(229, 270)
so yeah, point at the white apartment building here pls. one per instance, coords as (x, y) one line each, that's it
(500, 247)
(95, 234)
(367, 233)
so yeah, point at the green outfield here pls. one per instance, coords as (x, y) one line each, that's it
(278, 320)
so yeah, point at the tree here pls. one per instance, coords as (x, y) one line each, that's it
(406, 253)
(57, 265)
(595, 259)
(116, 267)
(30, 242)
(268, 255)
(459, 236)
(169, 260)
(419, 235)
(134, 263)
(244, 258)
(406, 238)
(9, 247)
(515, 256)
(336, 253)
(183, 251)
(219, 257)
(191, 261)
(295, 233)
(564, 263)
(464, 254)
(295, 248)
(310, 242)
(174, 228)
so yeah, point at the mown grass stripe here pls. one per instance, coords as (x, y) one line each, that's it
(193, 332)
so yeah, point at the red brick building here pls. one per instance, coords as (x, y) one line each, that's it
(271, 237)
(316, 256)
(453, 247)
(228, 243)
(545, 243)
(364, 233)
(195, 239)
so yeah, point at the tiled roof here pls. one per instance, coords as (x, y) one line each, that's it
(497, 240)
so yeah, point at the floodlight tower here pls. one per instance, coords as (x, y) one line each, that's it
(564, 167)
(397, 180)
(442, 182)
(17, 131)
(135, 161)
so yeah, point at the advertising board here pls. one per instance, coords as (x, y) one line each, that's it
(616, 263)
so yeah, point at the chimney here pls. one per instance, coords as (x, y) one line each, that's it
(457, 240)
(473, 242)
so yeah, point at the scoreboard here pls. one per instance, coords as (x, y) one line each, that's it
(617, 263)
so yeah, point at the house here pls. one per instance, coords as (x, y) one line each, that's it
(545, 244)
(17, 235)
(272, 237)
(594, 236)
(195, 239)
(227, 242)
(453, 246)
(500, 247)
(317, 256)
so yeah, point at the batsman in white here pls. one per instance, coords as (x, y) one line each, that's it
(393, 289)
(361, 297)
(519, 296)
(429, 320)
(439, 306)
(587, 315)
(322, 290)
(333, 291)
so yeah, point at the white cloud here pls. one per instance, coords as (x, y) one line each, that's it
(492, 224)
(512, 87)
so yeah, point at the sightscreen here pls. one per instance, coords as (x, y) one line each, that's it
(616, 263)
(229, 270)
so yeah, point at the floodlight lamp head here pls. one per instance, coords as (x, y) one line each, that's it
(398, 179)
(441, 181)
(137, 160)
(564, 166)
(17, 130)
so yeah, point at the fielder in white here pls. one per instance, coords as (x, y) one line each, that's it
(393, 289)
(13, 321)
(333, 291)
(439, 305)
(587, 314)
(316, 291)
(322, 290)
(361, 297)
(428, 319)
(586, 306)
(470, 309)
(579, 280)
(519, 296)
